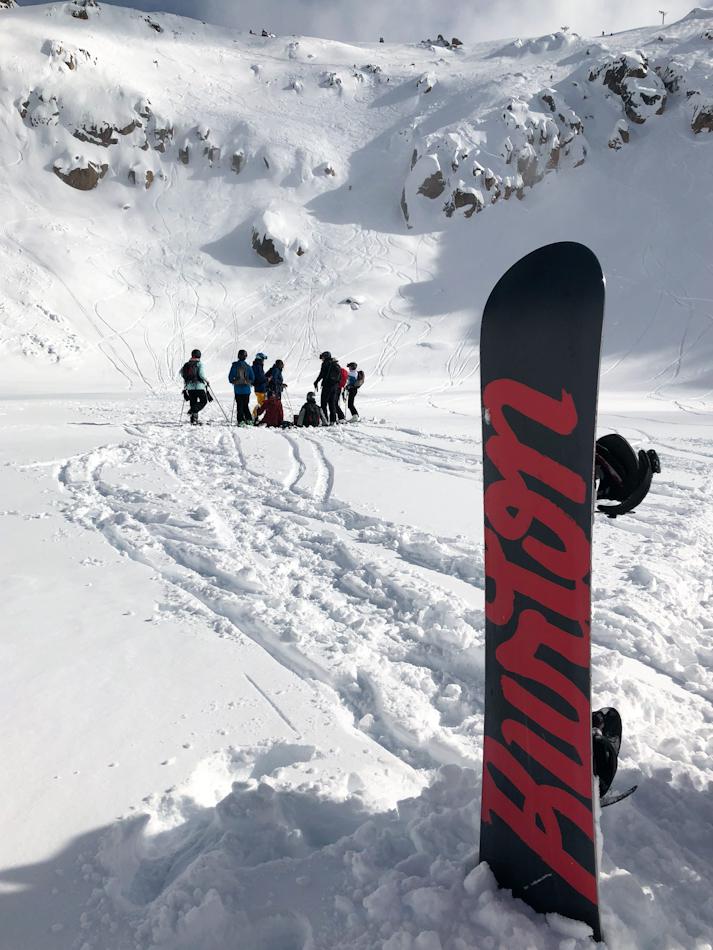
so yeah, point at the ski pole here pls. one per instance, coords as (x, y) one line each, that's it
(210, 390)
(183, 406)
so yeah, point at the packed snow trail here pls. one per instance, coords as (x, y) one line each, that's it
(310, 579)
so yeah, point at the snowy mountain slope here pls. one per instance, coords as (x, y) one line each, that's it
(241, 670)
(106, 288)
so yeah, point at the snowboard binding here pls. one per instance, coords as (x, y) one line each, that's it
(606, 742)
(622, 475)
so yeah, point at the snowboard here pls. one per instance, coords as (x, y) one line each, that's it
(539, 350)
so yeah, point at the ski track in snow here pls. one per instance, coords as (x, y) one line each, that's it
(354, 618)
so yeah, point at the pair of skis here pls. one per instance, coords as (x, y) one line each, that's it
(540, 350)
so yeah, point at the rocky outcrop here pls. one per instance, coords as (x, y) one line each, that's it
(620, 136)
(673, 76)
(237, 162)
(469, 199)
(39, 109)
(641, 90)
(104, 135)
(7, 4)
(79, 172)
(62, 55)
(140, 174)
(82, 9)
(532, 143)
(153, 24)
(702, 119)
(159, 131)
(441, 42)
(280, 233)
(265, 247)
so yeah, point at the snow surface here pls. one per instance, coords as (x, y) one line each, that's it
(241, 674)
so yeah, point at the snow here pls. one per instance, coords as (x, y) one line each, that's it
(241, 676)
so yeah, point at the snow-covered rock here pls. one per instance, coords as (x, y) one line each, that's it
(532, 139)
(551, 42)
(281, 233)
(702, 119)
(80, 171)
(641, 90)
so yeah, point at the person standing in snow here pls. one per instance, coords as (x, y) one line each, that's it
(272, 412)
(355, 381)
(311, 414)
(330, 376)
(242, 377)
(260, 381)
(275, 383)
(195, 385)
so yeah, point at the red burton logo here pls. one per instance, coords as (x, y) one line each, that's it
(511, 508)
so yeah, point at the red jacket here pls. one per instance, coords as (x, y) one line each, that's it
(343, 377)
(272, 408)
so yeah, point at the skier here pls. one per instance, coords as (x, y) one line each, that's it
(621, 475)
(260, 381)
(330, 375)
(275, 383)
(355, 381)
(195, 386)
(242, 377)
(271, 409)
(311, 414)
(606, 742)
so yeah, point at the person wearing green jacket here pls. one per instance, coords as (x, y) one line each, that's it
(195, 385)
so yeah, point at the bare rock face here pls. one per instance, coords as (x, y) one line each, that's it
(103, 135)
(673, 76)
(265, 247)
(641, 90)
(80, 173)
(159, 131)
(237, 162)
(136, 174)
(7, 4)
(702, 120)
(468, 199)
(620, 136)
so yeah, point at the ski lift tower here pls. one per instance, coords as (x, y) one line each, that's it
(663, 16)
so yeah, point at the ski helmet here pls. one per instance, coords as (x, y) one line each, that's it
(195, 354)
(351, 365)
(260, 356)
(326, 355)
(242, 354)
(310, 397)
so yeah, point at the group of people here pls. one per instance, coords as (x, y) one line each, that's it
(338, 384)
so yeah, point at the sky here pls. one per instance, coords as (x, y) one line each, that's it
(413, 20)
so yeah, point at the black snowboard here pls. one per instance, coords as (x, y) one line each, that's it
(539, 351)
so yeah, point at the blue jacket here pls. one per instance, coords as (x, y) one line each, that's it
(274, 381)
(260, 377)
(241, 389)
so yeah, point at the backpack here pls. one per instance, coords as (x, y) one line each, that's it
(189, 372)
(311, 417)
(360, 379)
(343, 377)
(240, 375)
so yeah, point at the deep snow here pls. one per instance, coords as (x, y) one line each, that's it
(234, 661)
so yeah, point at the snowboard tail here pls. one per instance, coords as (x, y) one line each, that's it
(540, 343)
